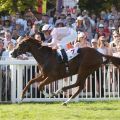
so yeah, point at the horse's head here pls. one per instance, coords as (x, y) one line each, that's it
(23, 46)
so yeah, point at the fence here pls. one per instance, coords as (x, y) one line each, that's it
(103, 84)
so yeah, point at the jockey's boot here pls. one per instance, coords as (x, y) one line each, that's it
(65, 59)
(59, 58)
(79, 50)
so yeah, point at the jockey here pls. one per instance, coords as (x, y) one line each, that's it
(61, 36)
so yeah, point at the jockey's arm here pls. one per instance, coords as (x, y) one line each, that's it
(69, 38)
(49, 44)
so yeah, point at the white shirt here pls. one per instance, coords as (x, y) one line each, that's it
(63, 35)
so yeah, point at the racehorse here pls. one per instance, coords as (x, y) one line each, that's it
(86, 62)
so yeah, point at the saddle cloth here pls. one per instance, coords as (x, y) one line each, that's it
(71, 53)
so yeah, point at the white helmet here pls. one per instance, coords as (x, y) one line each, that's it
(47, 27)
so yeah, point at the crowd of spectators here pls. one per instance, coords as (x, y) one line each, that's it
(100, 31)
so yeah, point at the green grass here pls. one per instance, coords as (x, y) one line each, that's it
(109, 110)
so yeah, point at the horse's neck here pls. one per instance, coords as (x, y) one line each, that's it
(38, 54)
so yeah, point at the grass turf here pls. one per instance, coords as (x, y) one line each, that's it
(107, 110)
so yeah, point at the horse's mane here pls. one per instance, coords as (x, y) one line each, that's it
(38, 44)
(47, 48)
(43, 48)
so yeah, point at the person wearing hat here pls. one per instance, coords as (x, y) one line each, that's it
(61, 36)
(78, 25)
(115, 40)
(46, 30)
(99, 31)
(103, 46)
(59, 23)
(81, 41)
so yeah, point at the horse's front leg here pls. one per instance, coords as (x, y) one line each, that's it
(43, 83)
(37, 79)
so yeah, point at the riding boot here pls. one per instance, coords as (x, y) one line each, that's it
(65, 59)
(59, 59)
(79, 50)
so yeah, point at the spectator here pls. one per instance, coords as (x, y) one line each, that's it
(38, 37)
(34, 29)
(99, 31)
(94, 43)
(20, 29)
(46, 29)
(15, 34)
(81, 41)
(115, 41)
(103, 46)
(7, 25)
(111, 24)
(2, 49)
(79, 26)
(29, 27)
(7, 53)
(89, 27)
(8, 38)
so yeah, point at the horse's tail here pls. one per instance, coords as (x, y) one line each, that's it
(114, 60)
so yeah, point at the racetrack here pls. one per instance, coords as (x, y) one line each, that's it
(107, 110)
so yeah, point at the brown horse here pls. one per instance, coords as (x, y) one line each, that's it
(86, 62)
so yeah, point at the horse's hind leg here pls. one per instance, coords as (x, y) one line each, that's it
(37, 79)
(80, 82)
(63, 89)
(80, 87)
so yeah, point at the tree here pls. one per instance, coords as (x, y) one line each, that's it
(98, 5)
(12, 6)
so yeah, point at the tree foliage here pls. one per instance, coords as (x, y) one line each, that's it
(98, 5)
(12, 6)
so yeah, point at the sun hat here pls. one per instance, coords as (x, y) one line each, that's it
(101, 26)
(46, 27)
(79, 18)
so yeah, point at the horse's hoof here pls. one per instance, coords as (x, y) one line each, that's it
(52, 95)
(64, 104)
(22, 97)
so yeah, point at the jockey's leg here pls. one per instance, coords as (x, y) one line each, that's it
(64, 55)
